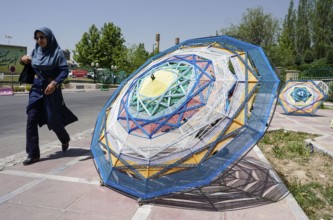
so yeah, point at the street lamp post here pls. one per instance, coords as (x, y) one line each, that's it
(8, 38)
(154, 47)
(95, 66)
(114, 68)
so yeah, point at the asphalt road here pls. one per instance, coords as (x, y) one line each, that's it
(85, 105)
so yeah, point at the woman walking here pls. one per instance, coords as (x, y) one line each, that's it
(46, 104)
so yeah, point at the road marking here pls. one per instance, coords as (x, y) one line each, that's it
(20, 190)
(14, 159)
(51, 177)
(142, 212)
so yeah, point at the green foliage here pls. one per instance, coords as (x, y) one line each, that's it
(306, 196)
(313, 195)
(298, 149)
(321, 49)
(105, 47)
(111, 47)
(308, 56)
(329, 192)
(283, 56)
(19, 88)
(278, 152)
(286, 144)
(316, 70)
(286, 49)
(329, 58)
(320, 62)
(66, 81)
(256, 27)
(28, 87)
(156, 51)
(298, 59)
(308, 27)
(303, 24)
(322, 27)
(282, 75)
(87, 49)
(136, 56)
(288, 35)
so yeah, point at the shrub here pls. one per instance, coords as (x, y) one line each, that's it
(308, 56)
(19, 88)
(298, 60)
(27, 87)
(66, 81)
(329, 57)
(330, 93)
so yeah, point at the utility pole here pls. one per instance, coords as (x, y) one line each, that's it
(8, 38)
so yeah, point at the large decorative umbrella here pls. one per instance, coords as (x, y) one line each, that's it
(184, 117)
(301, 97)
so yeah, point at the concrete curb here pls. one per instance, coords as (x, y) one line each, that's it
(317, 147)
(294, 207)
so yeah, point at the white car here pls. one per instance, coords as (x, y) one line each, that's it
(91, 75)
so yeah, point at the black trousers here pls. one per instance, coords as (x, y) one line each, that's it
(32, 138)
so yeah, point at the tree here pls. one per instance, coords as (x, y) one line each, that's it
(303, 26)
(105, 46)
(136, 56)
(289, 27)
(258, 28)
(86, 51)
(111, 46)
(322, 27)
(308, 56)
(298, 59)
(232, 31)
(286, 48)
(329, 57)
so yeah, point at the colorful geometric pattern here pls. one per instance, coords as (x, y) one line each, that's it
(302, 98)
(159, 99)
(184, 117)
(323, 86)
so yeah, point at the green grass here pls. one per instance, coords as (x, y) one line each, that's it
(287, 144)
(315, 196)
(312, 197)
(307, 196)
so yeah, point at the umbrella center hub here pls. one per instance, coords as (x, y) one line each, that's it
(157, 84)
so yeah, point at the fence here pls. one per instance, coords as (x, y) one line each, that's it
(109, 77)
(322, 73)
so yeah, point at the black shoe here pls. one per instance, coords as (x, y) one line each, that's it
(30, 160)
(65, 146)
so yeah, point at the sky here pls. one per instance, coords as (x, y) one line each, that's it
(139, 21)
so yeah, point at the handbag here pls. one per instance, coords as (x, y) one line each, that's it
(27, 75)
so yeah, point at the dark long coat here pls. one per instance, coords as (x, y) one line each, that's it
(54, 112)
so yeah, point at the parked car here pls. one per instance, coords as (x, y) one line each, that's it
(79, 73)
(91, 75)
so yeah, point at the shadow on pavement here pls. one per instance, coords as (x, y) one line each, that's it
(71, 152)
(248, 184)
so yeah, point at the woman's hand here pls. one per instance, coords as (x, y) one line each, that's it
(26, 59)
(50, 88)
